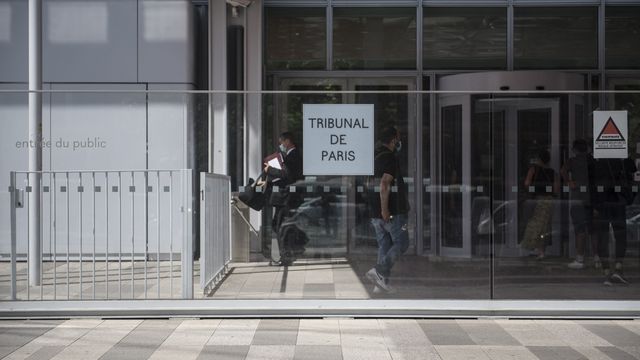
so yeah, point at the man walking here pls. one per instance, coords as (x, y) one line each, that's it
(389, 209)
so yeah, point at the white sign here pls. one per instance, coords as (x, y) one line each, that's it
(610, 135)
(338, 139)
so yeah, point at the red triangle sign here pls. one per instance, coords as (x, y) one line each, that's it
(610, 132)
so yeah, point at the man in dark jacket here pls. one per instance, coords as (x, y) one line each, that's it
(282, 199)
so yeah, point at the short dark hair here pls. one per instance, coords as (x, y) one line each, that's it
(287, 135)
(388, 134)
(580, 145)
(544, 156)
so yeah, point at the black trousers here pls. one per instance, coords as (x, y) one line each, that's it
(284, 246)
(613, 213)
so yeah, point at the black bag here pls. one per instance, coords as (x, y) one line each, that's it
(252, 198)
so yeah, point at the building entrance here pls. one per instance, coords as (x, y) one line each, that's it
(488, 142)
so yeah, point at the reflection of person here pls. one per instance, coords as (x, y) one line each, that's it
(542, 178)
(389, 209)
(613, 178)
(283, 200)
(577, 174)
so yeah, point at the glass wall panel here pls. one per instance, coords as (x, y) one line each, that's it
(374, 38)
(295, 38)
(555, 38)
(622, 28)
(427, 176)
(465, 38)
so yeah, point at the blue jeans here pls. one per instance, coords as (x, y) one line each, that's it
(393, 241)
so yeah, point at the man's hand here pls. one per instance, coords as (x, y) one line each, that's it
(386, 215)
(266, 168)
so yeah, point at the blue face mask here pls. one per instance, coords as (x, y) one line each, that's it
(398, 146)
(282, 148)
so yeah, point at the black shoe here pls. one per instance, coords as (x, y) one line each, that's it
(285, 262)
(617, 278)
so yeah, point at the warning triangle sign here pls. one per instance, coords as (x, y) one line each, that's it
(610, 132)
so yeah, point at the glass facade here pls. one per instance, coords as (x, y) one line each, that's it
(374, 38)
(494, 107)
(295, 38)
(465, 38)
(621, 29)
(555, 38)
(481, 226)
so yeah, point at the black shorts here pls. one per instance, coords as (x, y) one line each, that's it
(582, 218)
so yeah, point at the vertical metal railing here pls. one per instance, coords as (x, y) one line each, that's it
(215, 229)
(93, 209)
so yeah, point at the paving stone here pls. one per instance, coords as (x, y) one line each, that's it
(414, 352)
(276, 332)
(271, 352)
(591, 353)
(224, 352)
(19, 336)
(508, 353)
(530, 333)
(319, 291)
(616, 353)
(441, 332)
(399, 333)
(173, 352)
(556, 353)
(487, 333)
(461, 352)
(363, 353)
(318, 332)
(362, 334)
(192, 333)
(66, 333)
(633, 350)
(317, 352)
(615, 334)
(46, 353)
(234, 332)
(572, 333)
(6, 350)
(143, 341)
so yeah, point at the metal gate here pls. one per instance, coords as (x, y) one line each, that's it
(215, 229)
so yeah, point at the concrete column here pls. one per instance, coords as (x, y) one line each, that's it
(35, 137)
(218, 130)
(253, 101)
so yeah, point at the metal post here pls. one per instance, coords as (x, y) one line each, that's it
(187, 245)
(35, 137)
(13, 234)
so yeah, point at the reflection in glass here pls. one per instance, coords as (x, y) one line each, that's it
(295, 38)
(465, 38)
(451, 148)
(622, 28)
(374, 38)
(555, 38)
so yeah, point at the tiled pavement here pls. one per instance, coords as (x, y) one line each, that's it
(326, 339)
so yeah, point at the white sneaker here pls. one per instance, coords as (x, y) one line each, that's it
(378, 290)
(377, 279)
(597, 263)
(576, 265)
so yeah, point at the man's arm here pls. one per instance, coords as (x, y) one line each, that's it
(385, 190)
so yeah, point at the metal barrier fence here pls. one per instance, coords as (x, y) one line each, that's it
(101, 235)
(215, 229)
